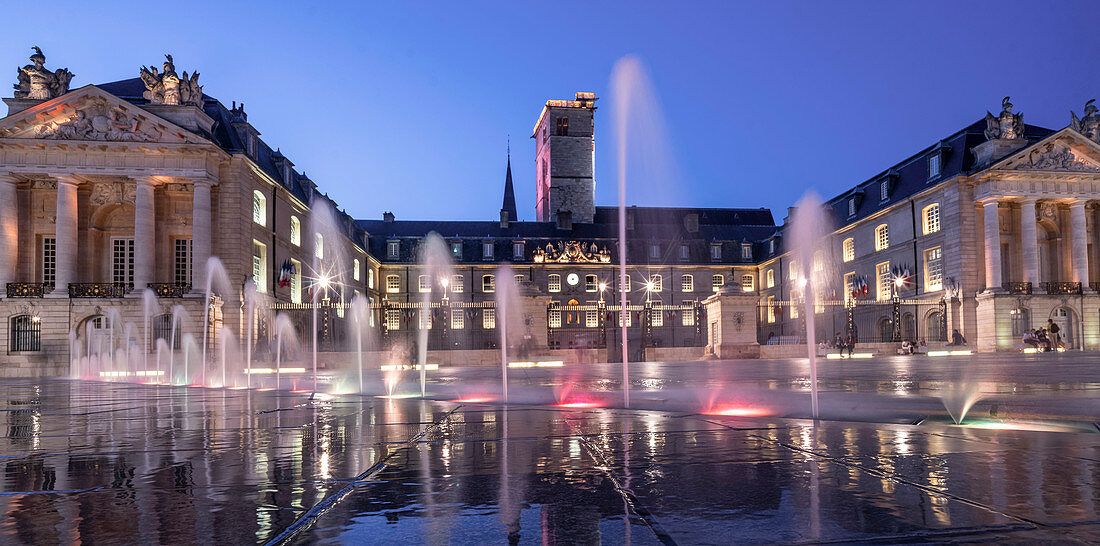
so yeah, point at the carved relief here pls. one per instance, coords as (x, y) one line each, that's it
(1048, 211)
(1056, 157)
(37, 82)
(99, 120)
(114, 193)
(572, 252)
(169, 88)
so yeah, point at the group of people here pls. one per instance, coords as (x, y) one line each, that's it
(910, 347)
(840, 343)
(1047, 339)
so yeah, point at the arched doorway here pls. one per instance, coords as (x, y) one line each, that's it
(1050, 250)
(885, 330)
(908, 327)
(934, 325)
(1066, 319)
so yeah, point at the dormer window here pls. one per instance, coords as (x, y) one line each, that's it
(851, 206)
(934, 166)
(684, 252)
(771, 246)
(487, 250)
(884, 189)
(746, 251)
(654, 252)
(393, 249)
(456, 249)
(286, 174)
(517, 250)
(716, 252)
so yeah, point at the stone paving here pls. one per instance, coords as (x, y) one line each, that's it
(112, 463)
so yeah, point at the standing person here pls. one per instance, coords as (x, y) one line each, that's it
(850, 343)
(1055, 337)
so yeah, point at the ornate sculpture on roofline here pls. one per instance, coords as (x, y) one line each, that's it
(1089, 124)
(37, 82)
(1007, 126)
(169, 88)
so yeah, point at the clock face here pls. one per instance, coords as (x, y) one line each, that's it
(572, 279)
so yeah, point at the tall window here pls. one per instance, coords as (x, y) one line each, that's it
(792, 270)
(591, 284)
(181, 262)
(122, 260)
(553, 282)
(885, 280)
(687, 316)
(319, 246)
(933, 166)
(424, 283)
(517, 250)
(933, 269)
(629, 318)
(458, 319)
(626, 282)
(849, 287)
(370, 278)
(456, 249)
(654, 251)
(716, 282)
(748, 283)
(458, 284)
(771, 308)
(656, 318)
(931, 216)
(555, 317)
(25, 333)
(882, 237)
(259, 208)
(393, 319)
(488, 283)
(685, 253)
(489, 318)
(393, 249)
(295, 231)
(355, 269)
(296, 281)
(49, 260)
(849, 249)
(746, 251)
(562, 127)
(425, 318)
(851, 207)
(658, 283)
(592, 317)
(393, 284)
(259, 266)
(884, 190)
(487, 250)
(769, 278)
(687, 283)
(716, 252)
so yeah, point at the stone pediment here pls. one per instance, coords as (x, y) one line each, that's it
(91, 114)
(1064, 151)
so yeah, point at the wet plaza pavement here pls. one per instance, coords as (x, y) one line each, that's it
(115, 463)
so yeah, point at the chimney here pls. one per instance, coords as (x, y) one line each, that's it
(565, 220)
(387, 217)
(503, 219)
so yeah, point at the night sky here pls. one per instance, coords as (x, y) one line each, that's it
(408, 106)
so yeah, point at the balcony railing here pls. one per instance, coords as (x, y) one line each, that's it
(98, 289)
(1017, 287)
(27, 289)
(1062, 287)
(1095, 286)
(170, 289)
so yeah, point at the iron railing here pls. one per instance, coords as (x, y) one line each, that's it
(170, 289)
(1060, 287)
(1017, 287)
(868, 321)
(27, 289)
(98, 289)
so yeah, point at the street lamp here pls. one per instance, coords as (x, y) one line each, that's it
(603, 288)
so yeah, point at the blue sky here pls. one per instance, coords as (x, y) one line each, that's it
(407, 106)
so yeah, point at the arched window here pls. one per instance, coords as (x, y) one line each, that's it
(687, 283)
(882, 237)
(319, 246)
(424, 283)
(259, 208)
(553, 282)
(931, 217)
(716, 282)
(936, 327)
(25, 333)
(1021, 321)
(849, 250)
(370, 278)
(355, 269)
(393, 284)
(488, 283)
(657, 282)
(295, 231)
(162, 329)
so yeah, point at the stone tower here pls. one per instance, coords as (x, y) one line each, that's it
(565, 159)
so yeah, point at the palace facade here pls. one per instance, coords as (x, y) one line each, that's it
(109, 189)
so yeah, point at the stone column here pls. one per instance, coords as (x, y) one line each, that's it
(992, 246)
(9, 231)
(145, 256)
(200, 234)
(1079, 241)
(1029, 240)
(65, 235)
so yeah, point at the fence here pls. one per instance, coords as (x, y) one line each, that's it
(783, 323)
(586, 326)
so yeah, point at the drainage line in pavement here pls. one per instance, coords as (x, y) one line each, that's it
(604, 464)
(326, 504)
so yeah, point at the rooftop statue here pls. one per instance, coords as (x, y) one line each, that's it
(1089, 123)
(37, 82)
(169, 88)
(1007, 126)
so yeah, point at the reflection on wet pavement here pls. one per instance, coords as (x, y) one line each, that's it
(113, 463)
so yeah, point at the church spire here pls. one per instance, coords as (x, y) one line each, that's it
(509, 205)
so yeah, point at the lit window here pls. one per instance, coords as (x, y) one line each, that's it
(792, 270)
(296, 281)
(819, 261)
(771, 246)
(393, 249)
(563, 127)
(654, 251)
(716, 282)
(769, 278)
(687, 316)
(933, 269)
(123, 262)
(851, 207)
(319, 246)
(553, 282)
(933, 166)
(49, 260)
(629, 319)
(259, 266)
(489, 318)
(792, 310)
(931, 215)
(771, 308)
(456, 249)
(393, 319)
(555, 317)
(656, 318)
(183, 261)
(716, 252)
(488, 283)
(884, 190)
(517, 250)
(458, 319)
(393, 284)
(626, 282)
(658, 283)
(355, 269)
(882, 237)
(849, 287)
(370, 278)
(295, 231)
(487, 250)
(687, 283)
(425, 319)
(259, 208)
(748, 283)
(590, 283)
(885, 280)
(519, 278)
(591, 316)
(849, 249)
(25, 333)
(458, 283)
(746, 251)
(424, 283)
(685, 253)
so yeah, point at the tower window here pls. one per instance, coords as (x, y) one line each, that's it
(563, 127)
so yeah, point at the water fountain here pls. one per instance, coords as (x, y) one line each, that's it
(188, 346)
(284, 330)
(162, 374)
(179, 317)
(807, 228)
(360, 315)
(149, 306)
(250, 295)
(227, 343)
(217, 282)
(435, 265)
